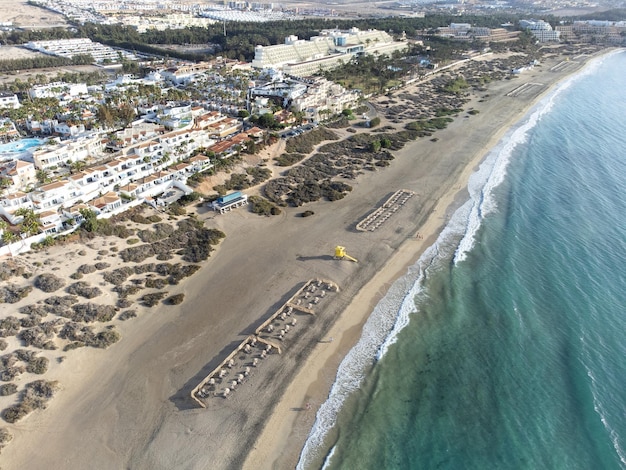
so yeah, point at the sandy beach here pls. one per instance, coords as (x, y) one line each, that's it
(129, 406)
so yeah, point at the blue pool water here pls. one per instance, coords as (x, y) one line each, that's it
(20, 145)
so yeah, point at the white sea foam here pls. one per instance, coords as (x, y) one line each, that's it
(599, 408)
(492, 171)
(328, 458)
(393, 311)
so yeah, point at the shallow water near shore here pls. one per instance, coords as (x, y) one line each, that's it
(503, 347)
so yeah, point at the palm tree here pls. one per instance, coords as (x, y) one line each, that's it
(77, 166)
(30, 223)
(8, 237)
(43, 176)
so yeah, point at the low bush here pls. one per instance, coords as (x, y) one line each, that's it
(38, 365)
(83, 289)
(150, 300)
(90, 312)
(175, 299)
(124, 303)
(262, 206)
(9, 326)
(105, 338)
(74, 345)
(9, 373)
(5, 437)
(288, 159)
(12, 293)
(8, 389)
(119, 275)
(48, 282)
(155, 283)
(127, 314)
(16, 412)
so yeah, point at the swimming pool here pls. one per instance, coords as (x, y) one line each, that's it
(20, 145)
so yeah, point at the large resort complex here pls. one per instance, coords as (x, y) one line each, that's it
(301, 58)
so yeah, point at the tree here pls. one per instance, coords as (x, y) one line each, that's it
(43, 176)
(106, 115)
(90, 223)
(77, 166)
(8, 237)
(126, 114)
(375, 146)
(30, 221)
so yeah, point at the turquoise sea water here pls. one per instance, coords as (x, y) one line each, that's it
(505, 347)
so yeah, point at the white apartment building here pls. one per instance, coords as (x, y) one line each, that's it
(58, 90)
(323, 95)
(9, 100)
(541, 30)
(22, 174)
(67, 152)
(299, 57)
(71, 47)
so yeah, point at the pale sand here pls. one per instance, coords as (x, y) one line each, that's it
(128, 407)
(21, 14)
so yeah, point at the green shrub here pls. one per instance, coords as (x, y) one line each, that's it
(8, 389)
(127, 314)
(74, 345)
(38, 365)
(175, 299)
(288, 159)
(49, 282)
(105, 338)
(16, 412)
(262, 206)
(150, 300)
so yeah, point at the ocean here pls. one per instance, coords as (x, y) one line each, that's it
(504, 347)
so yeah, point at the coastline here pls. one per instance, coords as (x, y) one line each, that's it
(140, 402)
(277, 445)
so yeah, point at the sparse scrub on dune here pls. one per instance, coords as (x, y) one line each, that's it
(175, 299)
(48, 282)
(38, 365)
(86, 269)
(155, 283)
(124, 291)
(91, 312)
(127, 314)
(8, 389)
(83, 289)
(12, 293)
(10, 269)
(118, 276)
(5, 438)
(150, 300)
(9, 326)
(35, 396)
